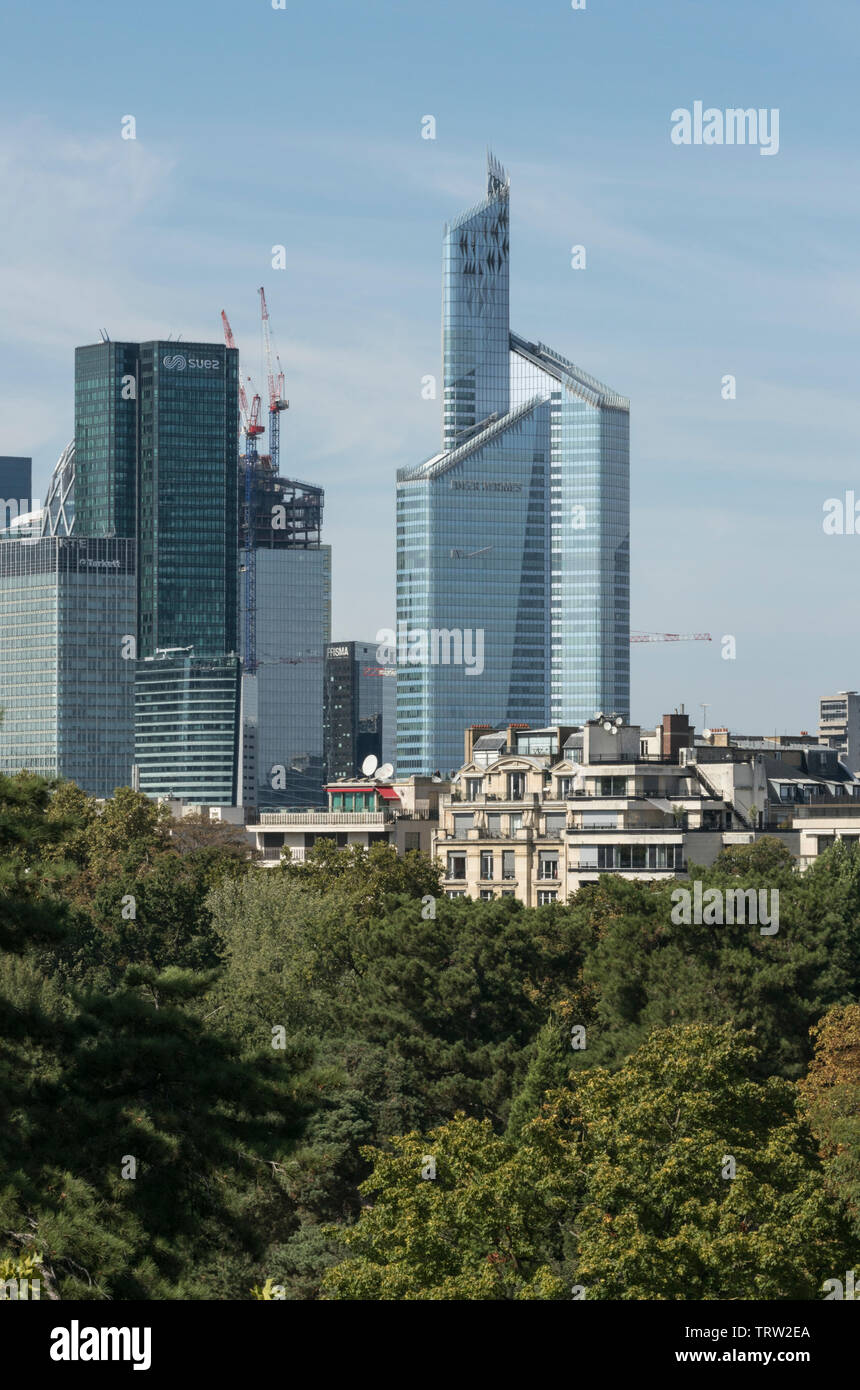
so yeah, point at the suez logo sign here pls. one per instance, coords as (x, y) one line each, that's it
(178, 363)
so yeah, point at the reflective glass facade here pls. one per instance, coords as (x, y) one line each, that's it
(16, 488)
(67, 623)
(282, 701)
(475, 320)
(186, 728)
(106, 394)
(156, 458)
(518, 529)
(187, 503)
(58, 513)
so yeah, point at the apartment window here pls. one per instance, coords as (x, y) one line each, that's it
(494, 823)
(546, 896)
(612, 786)
(555, 822)
(486, 864)
(455, 893)
(509, 863)
(663, 856)
(473, 788)
(588, 857)
(565, 788)
(508, 893)
(515, 822)
(600, 820)
(516, 786)
(547, 864)
(456, 866)
(487, 895)
(462, 824)
(639, 857)
(411, 840)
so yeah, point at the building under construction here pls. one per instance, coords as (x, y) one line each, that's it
(282, 688)
(284, 611)
(284, 512)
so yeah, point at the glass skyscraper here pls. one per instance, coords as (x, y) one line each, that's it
(282, 702)
(67, 628)
(156, 427)
(156, 458)
(513, 541)
(186, 727)
(282, 692)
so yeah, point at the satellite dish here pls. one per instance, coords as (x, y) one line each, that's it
(436, 778)
(370, 765)
(386, 771)
(619, 721)
(599, 716)
(609, 726)
(706, 733)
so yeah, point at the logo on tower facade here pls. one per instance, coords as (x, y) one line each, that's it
(178, 363)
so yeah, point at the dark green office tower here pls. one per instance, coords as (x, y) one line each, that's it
(106, 394)
(156, 458)
(188, 490)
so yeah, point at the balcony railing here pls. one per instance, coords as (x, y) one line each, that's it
(315, 819)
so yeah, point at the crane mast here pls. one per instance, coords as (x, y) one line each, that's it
(248, 461)
(275, 382)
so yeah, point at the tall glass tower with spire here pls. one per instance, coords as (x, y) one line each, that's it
(517, 530)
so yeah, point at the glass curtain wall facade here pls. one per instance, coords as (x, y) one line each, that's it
(283, 753)
(67, 627)
(518, 530)
(156, 458)
(16, 488)
(187, 501)
(282, 750)
(186, 717)
(58, 513)
(106, 420)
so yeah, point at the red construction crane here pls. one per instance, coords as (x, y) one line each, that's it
(231, 343)
(670, 637)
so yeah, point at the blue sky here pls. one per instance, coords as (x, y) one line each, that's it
(302, 127)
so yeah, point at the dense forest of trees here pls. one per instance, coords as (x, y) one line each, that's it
(328, 1081)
